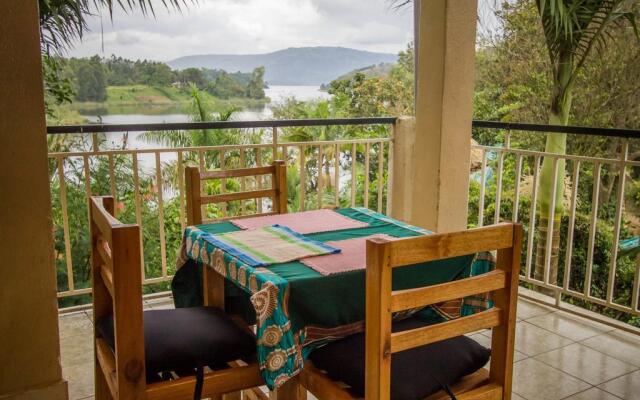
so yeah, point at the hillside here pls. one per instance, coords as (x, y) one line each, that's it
(292, 66)
(371, 71)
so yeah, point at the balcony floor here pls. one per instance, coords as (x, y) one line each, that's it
(558, 355)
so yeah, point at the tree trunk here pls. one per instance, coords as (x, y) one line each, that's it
(547, 210)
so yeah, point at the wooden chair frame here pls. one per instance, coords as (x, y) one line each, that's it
(195, 199)
(381, 301)
(117, 291)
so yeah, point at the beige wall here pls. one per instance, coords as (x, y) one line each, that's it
(29, 349)
(436, 153)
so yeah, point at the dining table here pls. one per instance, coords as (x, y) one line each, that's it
(296, 307)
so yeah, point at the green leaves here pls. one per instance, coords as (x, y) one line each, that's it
(573, 28)
(62, 22)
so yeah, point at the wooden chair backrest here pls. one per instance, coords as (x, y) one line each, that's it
(117, 291)
(381, 301)
(195, 199)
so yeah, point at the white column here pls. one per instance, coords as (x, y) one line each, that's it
(445, 56)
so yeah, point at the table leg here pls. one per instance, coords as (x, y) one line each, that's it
(291, 390)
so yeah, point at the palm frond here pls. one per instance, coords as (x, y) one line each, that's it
(63, 22)
(574, 28)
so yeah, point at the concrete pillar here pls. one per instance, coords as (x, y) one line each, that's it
(404, 134)
(445, 52)
(29, 348)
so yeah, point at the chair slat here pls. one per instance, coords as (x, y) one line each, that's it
(437, 247)
(237, 173)
(252, 194)
(107, 278)
(107, 364)
(412, 298)
(104, 252)
(434, 333)
(216, 382)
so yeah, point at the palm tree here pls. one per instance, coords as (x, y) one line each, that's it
(573, 29)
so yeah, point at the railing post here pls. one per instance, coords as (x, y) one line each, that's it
(401, 166)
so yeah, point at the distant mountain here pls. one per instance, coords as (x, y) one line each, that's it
(370, 71)
(292, 66)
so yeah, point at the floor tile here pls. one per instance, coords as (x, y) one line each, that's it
(585, 363)
(532, 340)
(535, 380)
(528, 309)
(160, 304)
(74, 324)
(80, 380)
(621, 345)
(515, 396)
(76, 350)
(574, 328)
(593, 394)
(626, 387)
(486, 342)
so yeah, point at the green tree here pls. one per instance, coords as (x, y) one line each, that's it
(573, 30)
(255, 87)
(193, 75)
(90, 82)
(225, 87)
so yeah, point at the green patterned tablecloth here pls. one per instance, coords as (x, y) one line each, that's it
(296, 308)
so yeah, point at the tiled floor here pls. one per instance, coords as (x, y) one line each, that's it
(558, 356)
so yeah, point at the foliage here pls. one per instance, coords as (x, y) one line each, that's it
(63, 22)
(89, 80)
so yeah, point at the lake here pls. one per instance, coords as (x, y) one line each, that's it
(277, 94)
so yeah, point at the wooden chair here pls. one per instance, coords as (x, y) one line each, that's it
(381, 301)
(195, 199)
(128, 351)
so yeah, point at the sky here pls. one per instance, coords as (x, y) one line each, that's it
(247, 27)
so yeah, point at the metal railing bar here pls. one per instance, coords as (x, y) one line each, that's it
(354, 169)
(366, 174)
(483, 183)
(532, 215)
(516, 195)
(572, 223)
(99, 128)
(550, 223)
(65, 224)
(592, 228)
(163, 244)
(336, 175)
(579, 130)
(217, 148)
(624, 153)
(554, 155)
(320, 175)
(380, 174)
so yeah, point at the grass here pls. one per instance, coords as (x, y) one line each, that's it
(143, 99)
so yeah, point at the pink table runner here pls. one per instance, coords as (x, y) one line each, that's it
(303, 222)
(352, 257)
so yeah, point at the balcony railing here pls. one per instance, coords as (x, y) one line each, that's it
(593, 269)
(352, 165)
(349, 168)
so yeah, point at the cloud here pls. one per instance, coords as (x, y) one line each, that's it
(248, 26)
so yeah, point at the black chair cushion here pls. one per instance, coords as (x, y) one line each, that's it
(187, 338)
(415, 373)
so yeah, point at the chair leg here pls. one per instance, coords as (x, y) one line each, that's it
(291, 390)
(102, 391)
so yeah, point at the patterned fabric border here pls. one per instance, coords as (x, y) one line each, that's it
(279, 349)
(389, 220)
